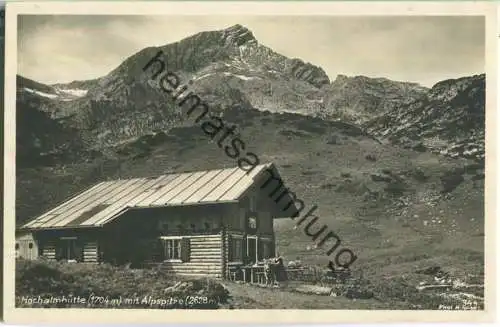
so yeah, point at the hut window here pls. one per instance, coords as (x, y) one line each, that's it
(171, 249)
(252, 222)
(17, 246)
(30, 245)
(175, 248)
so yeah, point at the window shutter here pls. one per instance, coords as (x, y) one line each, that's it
(230, 255)
(185, 249)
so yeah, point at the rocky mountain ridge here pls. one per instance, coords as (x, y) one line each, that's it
(229, 68)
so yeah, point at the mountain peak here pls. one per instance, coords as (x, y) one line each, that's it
(341, 78)
(238, 34)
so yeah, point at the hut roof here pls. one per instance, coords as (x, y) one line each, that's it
(108, 200)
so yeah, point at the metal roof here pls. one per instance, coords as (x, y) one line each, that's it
(106, 201)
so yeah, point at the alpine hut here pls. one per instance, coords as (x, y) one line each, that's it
(190, 223)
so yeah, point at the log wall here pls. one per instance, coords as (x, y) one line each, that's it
(49, 250)
(205, 258)
(90, 252)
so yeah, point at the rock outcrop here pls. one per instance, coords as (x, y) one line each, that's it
(449, 119)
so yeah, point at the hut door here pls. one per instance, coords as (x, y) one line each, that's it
(252, 249)
(68, 248)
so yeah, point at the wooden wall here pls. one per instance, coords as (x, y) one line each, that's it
(237, 221)
(49, 250)
(26, 246)
(90, 251)
(88, 241)
(205, 258)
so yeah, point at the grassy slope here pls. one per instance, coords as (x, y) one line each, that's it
(325, 164)
(116, 284)
(252, 297)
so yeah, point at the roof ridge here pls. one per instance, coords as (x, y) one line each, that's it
(187, 171)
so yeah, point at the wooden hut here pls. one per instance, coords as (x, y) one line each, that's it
(190, 223)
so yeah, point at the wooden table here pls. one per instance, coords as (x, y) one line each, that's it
(253, 270)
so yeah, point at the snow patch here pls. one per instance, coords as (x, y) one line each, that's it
(316, 100)
(61, 94)
(43, 94)
(202, 76)
(74, 92)
(243, 77)
(471, 151)
(242, 55)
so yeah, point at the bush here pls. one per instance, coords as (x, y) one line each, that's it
(265, 121)
(380, 178)
(370, 157)
(419, 175)
(328, 186)
(311, 127)
(358, 293)
(451, 179)
(420, 147)
(473, 167)
(333, 139)
(478, 177)
(396, 188)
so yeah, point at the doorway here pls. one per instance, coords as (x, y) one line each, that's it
(252, 249)
(68, 249)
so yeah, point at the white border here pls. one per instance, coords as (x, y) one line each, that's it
(17, 315)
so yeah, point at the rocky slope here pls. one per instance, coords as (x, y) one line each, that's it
(359, 99)
(449, 119)
(44, 135)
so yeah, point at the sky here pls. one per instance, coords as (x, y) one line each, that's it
(422, 49)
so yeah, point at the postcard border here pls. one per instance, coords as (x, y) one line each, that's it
(18, 315)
